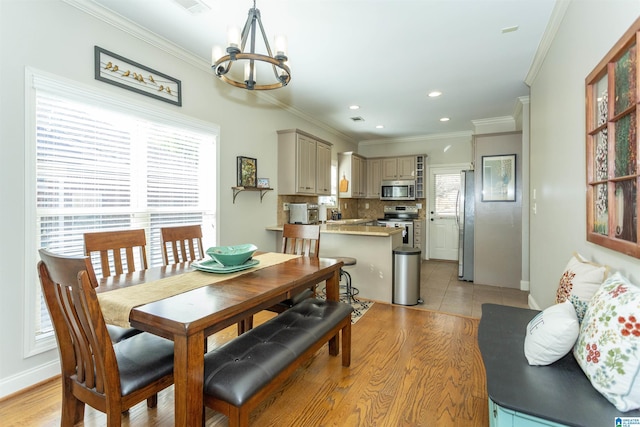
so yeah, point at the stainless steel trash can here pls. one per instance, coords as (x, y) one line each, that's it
(406, 275)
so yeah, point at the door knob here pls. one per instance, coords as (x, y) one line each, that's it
(431, 219)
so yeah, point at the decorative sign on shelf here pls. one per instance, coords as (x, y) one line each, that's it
(119, 71)
(247, 171)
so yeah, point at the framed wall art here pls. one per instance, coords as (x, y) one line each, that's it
(499, 178)
(127, 74)
(263, 183)
(613, 171)
(247, 171)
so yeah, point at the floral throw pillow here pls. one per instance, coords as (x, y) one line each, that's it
(580, 280)
(608, 347)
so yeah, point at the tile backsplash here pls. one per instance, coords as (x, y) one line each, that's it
(350, 208)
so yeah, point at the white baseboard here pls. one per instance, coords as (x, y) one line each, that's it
(524, 285)
(25, 379)
(533, 303)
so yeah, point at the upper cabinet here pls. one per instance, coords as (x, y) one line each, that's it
(394, 168)
(374, 178)
(352, 176)
(304, 163)
(323, 169)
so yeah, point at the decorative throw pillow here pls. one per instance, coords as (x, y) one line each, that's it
(608, 347)
(580, 280)
(551, 334)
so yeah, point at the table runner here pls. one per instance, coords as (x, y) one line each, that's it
(117, 304)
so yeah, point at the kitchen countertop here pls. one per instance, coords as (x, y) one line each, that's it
(357, 230)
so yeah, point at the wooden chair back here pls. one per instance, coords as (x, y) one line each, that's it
(90, 372)
(111, 244)
(184, 243)
(301, 239)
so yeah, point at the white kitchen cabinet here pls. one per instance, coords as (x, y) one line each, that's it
(323, 169)
(352, 175)
(394, 168)
(304, 163)
(374, 177)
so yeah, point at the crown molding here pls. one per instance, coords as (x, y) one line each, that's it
(557, 15)
(436, 136)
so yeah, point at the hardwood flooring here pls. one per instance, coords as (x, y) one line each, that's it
(410, 367)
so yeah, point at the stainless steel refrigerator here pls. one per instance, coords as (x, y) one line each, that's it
(465, 211)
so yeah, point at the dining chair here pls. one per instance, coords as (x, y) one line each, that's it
(183, 243)
(96, 372)
(109, 245)
(297, 239)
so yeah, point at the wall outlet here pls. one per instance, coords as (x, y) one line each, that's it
(366, 205)
(419, 205)
(285, 206)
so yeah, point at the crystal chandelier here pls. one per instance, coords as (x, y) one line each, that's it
(245, 74)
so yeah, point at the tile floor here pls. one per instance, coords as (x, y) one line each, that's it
(442, 291)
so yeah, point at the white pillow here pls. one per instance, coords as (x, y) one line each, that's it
(608, 348)
(580, 280)
(551, 334)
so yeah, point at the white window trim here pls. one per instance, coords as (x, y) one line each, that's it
(37, 79)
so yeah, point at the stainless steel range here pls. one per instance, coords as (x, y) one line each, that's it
(400, 217)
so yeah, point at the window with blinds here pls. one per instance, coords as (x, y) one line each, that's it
(446, 187)
(98, 168)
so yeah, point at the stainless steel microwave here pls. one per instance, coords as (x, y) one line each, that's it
(398, 190)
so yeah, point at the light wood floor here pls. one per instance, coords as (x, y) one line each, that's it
(410, 367)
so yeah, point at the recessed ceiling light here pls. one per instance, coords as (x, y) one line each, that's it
(434, 94)
(380, 127)
(445, 119)
(354, 107)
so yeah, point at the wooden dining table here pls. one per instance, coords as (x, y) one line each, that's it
(189, 317)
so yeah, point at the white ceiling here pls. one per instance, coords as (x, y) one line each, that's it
(383, 55)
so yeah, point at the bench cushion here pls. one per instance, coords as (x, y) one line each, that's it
(559, 392)
(239, 369)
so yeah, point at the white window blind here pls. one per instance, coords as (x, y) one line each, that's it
(102, 169)
(445, 190)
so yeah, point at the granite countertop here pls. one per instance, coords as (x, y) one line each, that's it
(346, 228)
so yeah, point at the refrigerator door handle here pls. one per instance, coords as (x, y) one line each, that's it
(458, 209)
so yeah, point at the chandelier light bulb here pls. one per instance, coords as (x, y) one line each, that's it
(234, 38)
(216, 53)
(280, 43)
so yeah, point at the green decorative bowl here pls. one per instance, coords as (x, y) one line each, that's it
(232, 255)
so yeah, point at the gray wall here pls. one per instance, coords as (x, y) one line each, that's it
(498, 225)
(588, 31)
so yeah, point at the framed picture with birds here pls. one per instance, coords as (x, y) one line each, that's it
(127, 74)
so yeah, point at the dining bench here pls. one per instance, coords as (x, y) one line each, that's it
(238, 375)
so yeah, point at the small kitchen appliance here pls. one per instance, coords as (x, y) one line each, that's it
(303, 213)
(398, 190)
(400, 217)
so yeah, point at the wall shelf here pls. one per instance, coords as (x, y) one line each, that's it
(238, 190)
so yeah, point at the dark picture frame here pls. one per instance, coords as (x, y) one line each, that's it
(499, 178)
(247, 171)
(122, 72)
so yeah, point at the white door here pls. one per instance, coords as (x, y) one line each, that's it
(444, 183)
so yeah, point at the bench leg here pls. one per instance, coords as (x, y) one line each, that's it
(346, 344)
(238, 417)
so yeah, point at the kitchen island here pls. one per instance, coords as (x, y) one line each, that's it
(371, 246)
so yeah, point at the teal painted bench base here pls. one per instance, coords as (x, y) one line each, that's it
(502, 417)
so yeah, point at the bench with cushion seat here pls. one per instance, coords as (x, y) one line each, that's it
(241, 373)
(559, 394)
